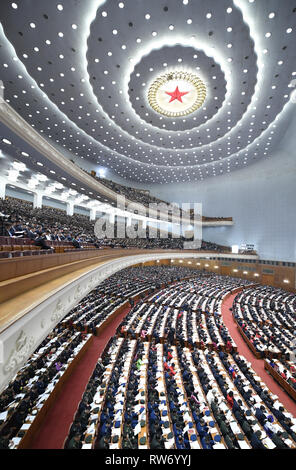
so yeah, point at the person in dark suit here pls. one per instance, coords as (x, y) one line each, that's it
(74, 443)
(229, 442)
(41, 241)
(156, 442)
(75, 242)
(6, 230)
(260, 414)
(4, 441)
(278, 441)
(103, 443)
(255, 441)
(246, 428)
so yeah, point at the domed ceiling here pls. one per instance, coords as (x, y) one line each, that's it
(159, 91)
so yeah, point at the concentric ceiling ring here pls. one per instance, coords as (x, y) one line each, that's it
(92, 86)
(198, 68)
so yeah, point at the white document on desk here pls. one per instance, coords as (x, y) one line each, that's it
(25, 426)
(169, 444)
(218, 446)
(86, 446)
(3, 415)
(235, 429)
(244, 445)
(268, 443)
(137, 429)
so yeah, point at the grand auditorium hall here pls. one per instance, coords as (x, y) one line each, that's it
(147, 228)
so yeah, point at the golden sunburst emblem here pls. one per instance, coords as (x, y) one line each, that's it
(177, 94)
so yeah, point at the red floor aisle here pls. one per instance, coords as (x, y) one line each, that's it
(257, 364)
(57, 422)
(54, 429)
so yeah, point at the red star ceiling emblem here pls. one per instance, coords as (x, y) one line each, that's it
(176, 95)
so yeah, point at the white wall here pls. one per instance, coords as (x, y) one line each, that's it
(260, 198)
(19, 194)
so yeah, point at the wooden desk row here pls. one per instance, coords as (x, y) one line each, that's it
(40, 416)
(283, 383)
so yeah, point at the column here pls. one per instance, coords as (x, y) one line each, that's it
(37, 203)
(2, 189)
(143, 223)
(70, 208)
(92, 214)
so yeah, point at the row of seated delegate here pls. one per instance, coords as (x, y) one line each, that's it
(283, 372)
(27, 393)
(195, 398)
(267, 304)
(48, 228)
(161, 382)
(29, 390)
(160, 396)
(266, 317)
(16, 247)
(112, 293)
(162, 323)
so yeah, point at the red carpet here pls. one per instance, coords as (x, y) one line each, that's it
(54, 430)
(257, 364)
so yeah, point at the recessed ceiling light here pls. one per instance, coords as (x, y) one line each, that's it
(60, 7)
(271, 15)
(14, 5)
(289, 30)
(121, 5)
(33, 25)
(74, 26)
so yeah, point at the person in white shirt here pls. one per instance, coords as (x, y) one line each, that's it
(269, 427)
(211, 396)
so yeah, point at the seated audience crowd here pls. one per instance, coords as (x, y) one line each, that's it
(112, 293)
(144, 198)
(154, 387)
(26, 394)
(266, 316)
(171, 376)
(44, 226)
